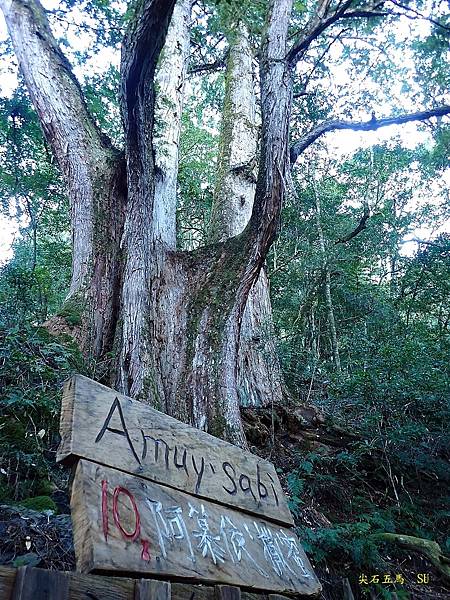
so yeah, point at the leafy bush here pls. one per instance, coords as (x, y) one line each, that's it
(33, 365)
(348, 541)
(39, 503)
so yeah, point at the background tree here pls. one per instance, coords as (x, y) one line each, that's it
(259, 376)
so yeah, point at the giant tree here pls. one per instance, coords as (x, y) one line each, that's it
(171, 319)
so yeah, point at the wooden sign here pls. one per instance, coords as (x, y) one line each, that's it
(106, 427)
(126, 523)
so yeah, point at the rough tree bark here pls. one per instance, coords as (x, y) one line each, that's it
(171, 319)
(181, 312)
(92, 168)
(170, 83)
(259, 373)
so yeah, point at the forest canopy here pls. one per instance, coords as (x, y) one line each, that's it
(226, 208)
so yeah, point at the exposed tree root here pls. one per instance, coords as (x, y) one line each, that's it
(431, 550)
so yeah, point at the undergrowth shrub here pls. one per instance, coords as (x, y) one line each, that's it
(33, 365)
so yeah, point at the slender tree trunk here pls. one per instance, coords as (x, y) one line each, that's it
(170, 82)
(259, 374)
(327, 287)
(393, 255)
(34, 226)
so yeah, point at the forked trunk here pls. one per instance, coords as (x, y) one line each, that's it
(258, 370)
(175, 316)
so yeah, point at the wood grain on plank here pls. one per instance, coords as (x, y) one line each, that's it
(151, 589)
(227, 592)
(101, 425)
(124, 523)
(94, 587)
(7, 577)
(39, 584)
(98, 587)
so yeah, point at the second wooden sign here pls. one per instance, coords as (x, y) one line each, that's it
(124, 523)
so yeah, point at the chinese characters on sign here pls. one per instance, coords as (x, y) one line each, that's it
(140, 526)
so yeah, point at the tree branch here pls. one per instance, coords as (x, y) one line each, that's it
(56, 94)
(321, 57)
(373, 124)
(220, 63)
(428, 548)
(276, 75)
(360, 227)
(426, 243)
(322, 20)
(415, 14)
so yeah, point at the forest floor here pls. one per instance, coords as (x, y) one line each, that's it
(285, 436)
(328, 525)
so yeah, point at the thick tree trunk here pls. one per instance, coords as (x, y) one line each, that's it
(237, 161)
(175, 316)
(170, 80)
(93, 170)
(259, 374)
(143, 265)
(181, 312)
(177, 336)
(174, 306)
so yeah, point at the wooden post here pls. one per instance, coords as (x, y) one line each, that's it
(347, 590)
(39, 584)
(227, 592)
(152, 589)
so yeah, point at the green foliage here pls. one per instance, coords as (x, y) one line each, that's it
(35, 281)
(391, 312)
(31, 559)
(72, 311)
(33, 284)
(33, 293)
(40, 503)
(251, 13)
(33, 365)
(101, 93)
(196, 175)
(102, 23)
(348, 541)
(391, 309)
